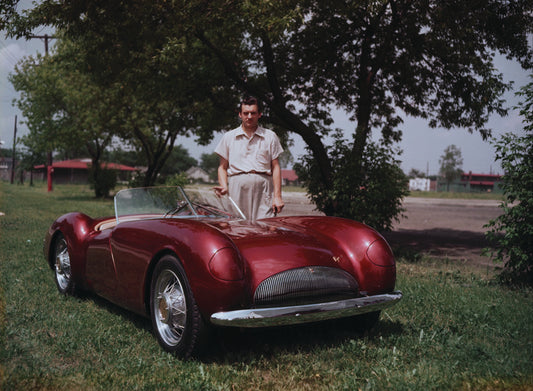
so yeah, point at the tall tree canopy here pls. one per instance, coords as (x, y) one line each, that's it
(376, 60)
(63, 108)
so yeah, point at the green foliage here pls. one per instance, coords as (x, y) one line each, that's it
(512, 232)
(415, 173)
(136, 180)
(209, 163)
(374, 198)
(286, 158)
(177, 180)
(6, 152)
(64, 110)
(179, 160)
(102, 180)
(450, 164)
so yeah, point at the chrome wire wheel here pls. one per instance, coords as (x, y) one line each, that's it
(176, 319)
(170, 306)
(62, 266)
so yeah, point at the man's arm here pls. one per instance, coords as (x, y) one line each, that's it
(277, 204)
(222, 177)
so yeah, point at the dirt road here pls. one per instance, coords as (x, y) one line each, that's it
(448, 228)
(445, 228)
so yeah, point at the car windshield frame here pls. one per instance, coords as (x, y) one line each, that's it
(173, 202)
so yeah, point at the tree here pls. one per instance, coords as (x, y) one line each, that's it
(415, 173)
(29, 158)
(377, 61)
(178, 162)
(64, 110)
(286, 158)
(209, 163)
(511, 234)
(155, 92)
(382, 185)
(450, 164)
(127, 157)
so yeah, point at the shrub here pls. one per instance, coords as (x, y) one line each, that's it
(102, 181)
(373, 197)
(512, 232)
(177, 180)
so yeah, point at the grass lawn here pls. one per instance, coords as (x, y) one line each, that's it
(455, 329)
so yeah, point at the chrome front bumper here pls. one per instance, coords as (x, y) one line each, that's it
(282, 316)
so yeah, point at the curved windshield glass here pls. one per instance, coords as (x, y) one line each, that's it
(173, 202)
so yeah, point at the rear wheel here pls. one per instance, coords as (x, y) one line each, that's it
(63, 273)
(176, 319)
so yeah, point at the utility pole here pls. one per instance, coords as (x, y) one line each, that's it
(49, 169)
(13, 160)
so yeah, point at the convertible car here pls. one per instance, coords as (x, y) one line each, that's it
(189, 260)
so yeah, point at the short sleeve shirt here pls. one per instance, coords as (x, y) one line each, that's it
(249, 154)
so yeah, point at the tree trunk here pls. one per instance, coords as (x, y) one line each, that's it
(365, 79)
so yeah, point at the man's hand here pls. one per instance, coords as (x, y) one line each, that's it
(220, 190)
(277, 205)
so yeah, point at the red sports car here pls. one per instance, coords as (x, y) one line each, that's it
(190, 260)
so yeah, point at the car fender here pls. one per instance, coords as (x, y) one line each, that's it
(362, 250)
(137, 246)
(76, 228)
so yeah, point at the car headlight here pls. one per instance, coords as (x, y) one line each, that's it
(226, 264)
(380, 253)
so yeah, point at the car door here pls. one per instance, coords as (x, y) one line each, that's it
(100, 268)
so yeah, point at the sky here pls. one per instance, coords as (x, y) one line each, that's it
(422, 146)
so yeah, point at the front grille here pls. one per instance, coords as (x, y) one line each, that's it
(306, 285)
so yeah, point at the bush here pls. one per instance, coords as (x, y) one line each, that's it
(102, 181)
(177, 180)
(512, 232)
(374, 197)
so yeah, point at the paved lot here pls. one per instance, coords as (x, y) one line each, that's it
(449, 228)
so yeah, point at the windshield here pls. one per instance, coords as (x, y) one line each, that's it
(173, 202)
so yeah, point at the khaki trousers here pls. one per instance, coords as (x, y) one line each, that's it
(253, 193)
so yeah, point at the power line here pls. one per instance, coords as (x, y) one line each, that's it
(10, 57)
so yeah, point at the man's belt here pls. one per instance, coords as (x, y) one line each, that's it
(251, 172)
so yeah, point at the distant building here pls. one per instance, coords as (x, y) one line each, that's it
(5, 168)
(289, 177)
(420, 184)
(480, 182)
(197, 174)
(77, 171)
(472, 183)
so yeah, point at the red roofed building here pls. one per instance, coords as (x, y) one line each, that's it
(289, 177)
(77, 170)
(480, 182)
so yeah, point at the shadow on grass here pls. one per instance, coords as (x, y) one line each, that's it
(82, 198)
(439, 242)
(242, 345)
(228, 345)
(137, 320)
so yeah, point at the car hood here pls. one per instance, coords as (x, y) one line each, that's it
(269, 247)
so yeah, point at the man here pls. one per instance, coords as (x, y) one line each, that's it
(249, 168)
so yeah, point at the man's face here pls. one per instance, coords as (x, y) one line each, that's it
(249, 115)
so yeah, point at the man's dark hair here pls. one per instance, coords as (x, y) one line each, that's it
(250, 101)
